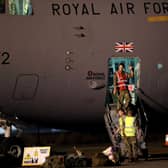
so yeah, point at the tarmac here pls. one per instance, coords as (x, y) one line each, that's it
(158, 157)
(147, 164)
(158, 154)
(144, 164)
(153, 163)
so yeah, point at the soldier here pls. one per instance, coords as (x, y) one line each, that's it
(120, 84)
(130, 132)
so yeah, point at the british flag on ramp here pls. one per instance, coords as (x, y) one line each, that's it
(124, 47)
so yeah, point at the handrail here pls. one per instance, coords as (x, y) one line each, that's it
(110, 125)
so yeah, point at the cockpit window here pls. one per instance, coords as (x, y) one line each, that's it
(20, 7)
(2, 6)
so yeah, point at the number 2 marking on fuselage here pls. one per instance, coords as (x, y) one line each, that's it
(6, 57)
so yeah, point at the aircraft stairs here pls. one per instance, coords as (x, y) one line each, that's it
(111, 121)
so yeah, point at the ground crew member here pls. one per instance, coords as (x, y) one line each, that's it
(120, 130)
(121, 86)
(130, 131)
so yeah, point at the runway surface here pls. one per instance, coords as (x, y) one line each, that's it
(155, 161)
(141, 164)
(158, 153)
(144, 164)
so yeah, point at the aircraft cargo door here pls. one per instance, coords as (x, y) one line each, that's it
(133, 83)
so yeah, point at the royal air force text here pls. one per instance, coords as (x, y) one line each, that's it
(129, 8)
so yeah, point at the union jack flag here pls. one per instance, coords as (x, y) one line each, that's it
(124, 47)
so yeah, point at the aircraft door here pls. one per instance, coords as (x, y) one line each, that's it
(133, 83)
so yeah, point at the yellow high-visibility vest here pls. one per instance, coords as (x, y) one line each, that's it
(130, 127)
(121, 125)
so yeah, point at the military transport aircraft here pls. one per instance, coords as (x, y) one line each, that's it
(57, 58)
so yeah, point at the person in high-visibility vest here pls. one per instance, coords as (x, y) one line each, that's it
(130, 132)
(121, 86)
(121, 121)
(120, 130)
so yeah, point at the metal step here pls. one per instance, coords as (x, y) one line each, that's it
(111, 122)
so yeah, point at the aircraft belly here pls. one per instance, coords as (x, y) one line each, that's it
(59, 103)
